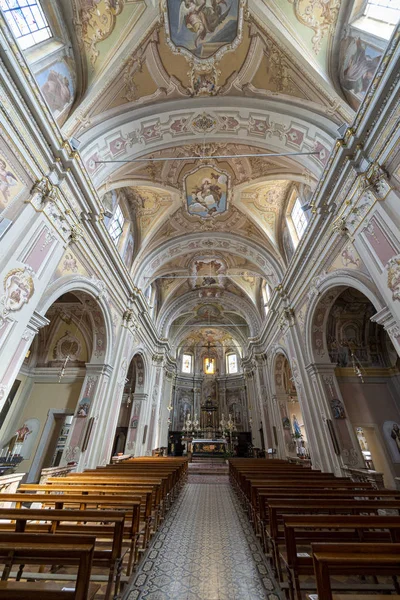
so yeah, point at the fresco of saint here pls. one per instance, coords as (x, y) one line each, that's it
(206, 192)
(202, 27)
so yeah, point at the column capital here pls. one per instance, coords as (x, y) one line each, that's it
(323, 368)
(99, 369)
(140, 396)
(37, 321)
(384, 317)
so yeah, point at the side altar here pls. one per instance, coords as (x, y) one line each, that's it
(209, 447)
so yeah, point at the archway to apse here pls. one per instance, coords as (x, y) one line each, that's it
(367, 373)
(290, 416)
(46, 421)
(126, 434)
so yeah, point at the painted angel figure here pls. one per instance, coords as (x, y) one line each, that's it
(201, 17)
(7, 180)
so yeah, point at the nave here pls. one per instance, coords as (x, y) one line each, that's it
(206, 550)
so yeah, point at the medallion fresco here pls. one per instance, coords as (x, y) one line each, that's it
(206, 191)
(203, 28)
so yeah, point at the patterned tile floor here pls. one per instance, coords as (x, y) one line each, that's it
(205, 550)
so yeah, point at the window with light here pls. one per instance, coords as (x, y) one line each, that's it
(299, 219)
(267, 296)
(209, 366)
(116, 225)
(27, 21)
(387, 11)
(232, 364)
(187, 363)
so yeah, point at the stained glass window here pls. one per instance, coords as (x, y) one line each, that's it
(209, 366)
(187, 363)
(116, 225)
(27, 21)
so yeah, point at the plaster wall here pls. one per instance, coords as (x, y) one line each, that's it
(370, 404)
(46, 396)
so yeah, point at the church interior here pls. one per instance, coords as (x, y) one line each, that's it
(200, 299)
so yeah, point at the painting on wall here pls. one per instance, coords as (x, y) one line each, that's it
(391, 431)
(83, 408)
(128, 254)
(359, 62)
(57, 86)
(10, 184)
(203, 28)
(206, 191)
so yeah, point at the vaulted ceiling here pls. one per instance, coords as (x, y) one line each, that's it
(180, 85)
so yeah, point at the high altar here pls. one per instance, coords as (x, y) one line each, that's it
(211, 447)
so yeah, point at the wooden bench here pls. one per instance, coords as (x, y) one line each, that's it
(302, 531)
(354, 559)
(131, 509)
(279, 495)
(45, 549)
(276, 510)
(106, 526)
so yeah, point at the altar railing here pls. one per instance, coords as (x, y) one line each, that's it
(10, 483)
(55, 472)
(365, 476)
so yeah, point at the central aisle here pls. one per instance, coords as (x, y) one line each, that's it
(206, 550)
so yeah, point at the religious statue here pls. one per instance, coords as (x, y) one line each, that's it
(337, 409)
(395, 435)
(22, 433)
(296, 427)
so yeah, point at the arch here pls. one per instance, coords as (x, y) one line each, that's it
(96, 290)
(290, 411)
(230, 300)
(324, 294)
(218, 242)
(139, 132)
(139, 352)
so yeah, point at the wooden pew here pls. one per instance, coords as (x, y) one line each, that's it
(45, 549)
(281, 495)
(302, 531)
(256, 488)
(354, 559)
(105, 526)
(276, 510)
(131, 509)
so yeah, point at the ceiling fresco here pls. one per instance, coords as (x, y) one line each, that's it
(179, 101)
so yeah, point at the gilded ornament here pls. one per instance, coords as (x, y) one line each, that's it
(318, 15)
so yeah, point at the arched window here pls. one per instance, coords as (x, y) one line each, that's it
(187, 362)
(266, 296)
(27, 21)
(378, 18)
(209, 366)
(232, 363)
(147, 292)
(116, 225)
(299, 219)
(387, 11)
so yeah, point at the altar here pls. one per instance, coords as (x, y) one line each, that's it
(210, 447)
